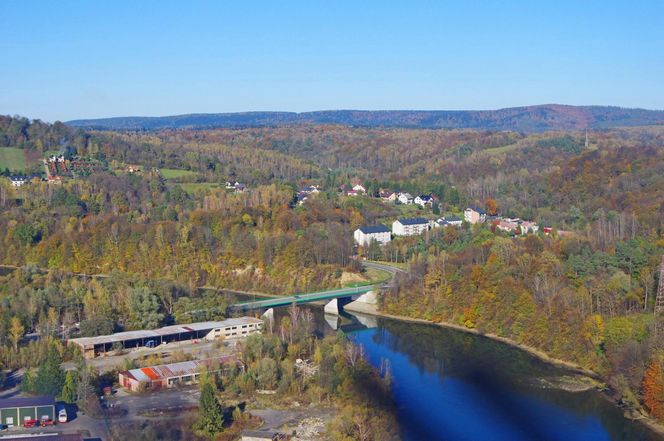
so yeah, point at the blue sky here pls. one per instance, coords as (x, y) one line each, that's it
(79, 59)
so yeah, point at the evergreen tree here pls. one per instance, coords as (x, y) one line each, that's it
(210, 414)
(50, 377)
(69, 390)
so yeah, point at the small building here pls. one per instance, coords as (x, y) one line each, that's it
(310, 189)
(359, 188)
(174, 374)
(229, 329)
(454, 221)
(387, 195)
(15, 411)
(410, 227)
(474, 215)
(364, 235)
(261, 435)
(424, 200)
(405, 198)
(20, 180)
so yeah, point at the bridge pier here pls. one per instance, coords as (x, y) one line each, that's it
(332, 307)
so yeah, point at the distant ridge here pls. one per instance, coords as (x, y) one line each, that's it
(522, 119)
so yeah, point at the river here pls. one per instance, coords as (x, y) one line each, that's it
(453, 386)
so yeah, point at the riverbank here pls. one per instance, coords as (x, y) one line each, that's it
(371, 309)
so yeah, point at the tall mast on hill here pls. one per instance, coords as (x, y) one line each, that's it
(659, 300)
(586, 138)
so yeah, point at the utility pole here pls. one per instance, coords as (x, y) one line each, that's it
(659, 300)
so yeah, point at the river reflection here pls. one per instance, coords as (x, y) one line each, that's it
(450, 385)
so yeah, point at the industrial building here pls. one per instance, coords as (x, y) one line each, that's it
(43, 437)
(15, 411)
(174, 374)
(228, 329)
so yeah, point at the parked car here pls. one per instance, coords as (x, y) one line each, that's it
(30, 423)
(3, 427)
(62, 416)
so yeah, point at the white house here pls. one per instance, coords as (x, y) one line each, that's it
(364, 235)
(474, 215)
(454, 221)
(359, 188)
(17, 181)
(424, 200)
(410, 227)
(405, 198)
(449, 221)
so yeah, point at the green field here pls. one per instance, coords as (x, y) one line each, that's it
(12, 158)
(193, 187)
(172, 173)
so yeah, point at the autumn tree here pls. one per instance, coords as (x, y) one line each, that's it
(653, 389)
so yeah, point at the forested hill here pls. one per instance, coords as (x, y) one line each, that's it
(523, 119)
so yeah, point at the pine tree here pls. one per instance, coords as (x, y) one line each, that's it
(69, 390)
(210, 414)
(50, 377)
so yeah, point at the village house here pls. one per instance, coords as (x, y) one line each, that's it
(310, 189)
(359, 188)
(20, 180)
(474, 215)
(452, 221)
(364, 235)
(352, 192)
(424, 200)
(410, 227)
(237, 186)
(387, 195)
(405, 198)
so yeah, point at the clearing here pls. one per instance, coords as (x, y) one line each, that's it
(12, 158)
(173, 173)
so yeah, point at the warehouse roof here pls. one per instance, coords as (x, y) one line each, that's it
(43, 437)
(164, 371)
(166, 330)
(26, 402)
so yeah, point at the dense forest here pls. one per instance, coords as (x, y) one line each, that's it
(584, 293)
(524, 119)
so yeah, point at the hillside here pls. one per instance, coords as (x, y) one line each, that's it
(529, 119)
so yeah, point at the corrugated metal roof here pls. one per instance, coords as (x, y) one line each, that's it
(26, 402)
(166, 330)
(164, 371)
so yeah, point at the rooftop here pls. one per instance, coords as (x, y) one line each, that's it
(175, 369)
(374, 229)
(413, 221)
(26, 402)
(166, 330)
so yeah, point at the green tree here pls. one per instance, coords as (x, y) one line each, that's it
(69, 390)
(211, 415)
(50, 377)
(144, 308)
